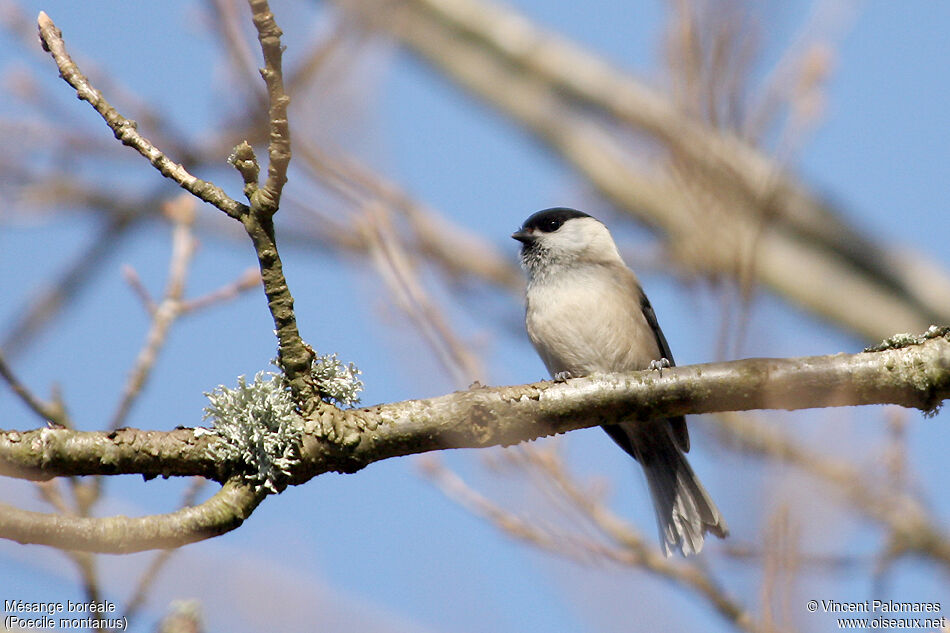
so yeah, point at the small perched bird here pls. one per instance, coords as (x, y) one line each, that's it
(586, 314)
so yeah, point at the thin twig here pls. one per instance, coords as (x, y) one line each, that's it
(226, 24)
(48, 411)
(278, 148)
(167, 310)
(398, 273)
(126, 130)
(250, 279)
(626, 548)
(455, 250)
(911, 528)
(551, 87)
(135, 283)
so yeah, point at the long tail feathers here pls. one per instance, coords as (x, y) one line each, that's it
(684, 511)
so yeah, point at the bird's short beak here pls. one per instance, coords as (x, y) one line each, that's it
(525, 237)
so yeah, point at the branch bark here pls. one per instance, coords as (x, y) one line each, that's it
(222, 513)
(910, 373)
(916, 375)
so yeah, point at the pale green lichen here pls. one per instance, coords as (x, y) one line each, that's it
(338, 383)
(914, 370)
(905, 340)
(260, 426)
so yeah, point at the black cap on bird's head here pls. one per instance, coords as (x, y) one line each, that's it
(546, 221)
(558, 237)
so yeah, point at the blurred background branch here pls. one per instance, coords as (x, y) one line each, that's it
(724, 206)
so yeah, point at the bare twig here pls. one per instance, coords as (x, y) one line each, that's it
(49, 411)
(250, 279)
(551, 86)
(455, 250)
(125, 129)
(910, 527)
(225, 19)
(398, 272)
(530, 531)
(53, 299)
(135, 283)
(690, 575)
(279, 146)
(181, 212)
(625, 545)
(294, 355)
(88, 568)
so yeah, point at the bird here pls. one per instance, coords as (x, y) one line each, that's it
(586, 314)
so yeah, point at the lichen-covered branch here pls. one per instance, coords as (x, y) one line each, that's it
(294, 356)
(907, 371)
(916, 375)
(125, 129)
(223, 512)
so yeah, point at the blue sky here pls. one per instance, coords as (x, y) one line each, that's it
(364, 551)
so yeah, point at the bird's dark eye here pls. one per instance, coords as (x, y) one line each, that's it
(550, 220)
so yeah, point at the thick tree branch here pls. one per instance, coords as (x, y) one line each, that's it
(908, 371)
(917, 375)
(222, 513)
(42, 454)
